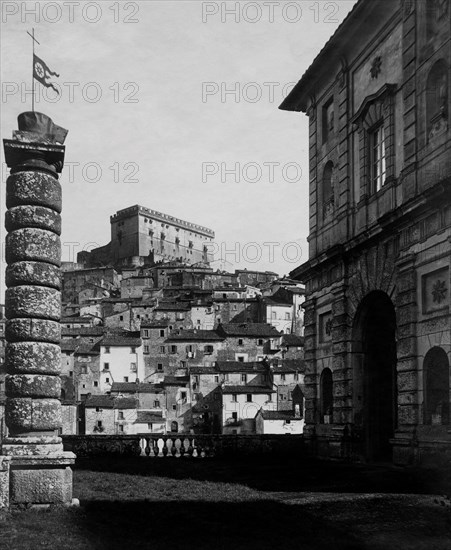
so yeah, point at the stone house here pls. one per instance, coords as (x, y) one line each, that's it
(121, 359)
(240, 405)
(377, 318)
(278, 422)
(248, 341)
(108, 415)
(187, 347)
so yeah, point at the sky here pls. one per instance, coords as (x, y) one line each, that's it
(174, 105)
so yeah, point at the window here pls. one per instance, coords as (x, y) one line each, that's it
(235, 417)
(217, 379)
(240, 341)
(121, 415)
(241, 358)
(269, 397)
(234, 398)
(377, 158)
(208, 349)
(244, 378)
(125, 378)
(249, 398)
(99, 424)
(282, 377)
(326, 395)
(174, 426)
(437, 99)
(106, 366)
(146, 349)
(183, 395)
(174, 407)
(146, 333)
(156, 404)
(121, 427)
(71, 373)
(83, 369)
(274, 315)
(96, 384)
(132, 350)
(107, 380)
(287, 316)
(436, 387)
(133, 367)
(160, 367)
(328, 119)
(121, 317)
(260, 341)
(107, 349)
(328, 189)
(162, 349)
(162, 333)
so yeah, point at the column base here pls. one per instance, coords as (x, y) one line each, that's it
(41, 479)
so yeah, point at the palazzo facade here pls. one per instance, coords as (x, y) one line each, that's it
(377, 314)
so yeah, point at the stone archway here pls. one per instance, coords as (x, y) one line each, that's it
(374, 374)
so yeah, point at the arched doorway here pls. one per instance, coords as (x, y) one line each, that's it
(375, 395)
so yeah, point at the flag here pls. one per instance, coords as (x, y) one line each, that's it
(43, 74)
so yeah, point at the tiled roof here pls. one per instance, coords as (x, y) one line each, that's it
(133, 387)
(292, 340)
(111, 402)
(247, 389)
(118, 340)
(250, 330)
(238, 366)
(76, 319)
(203, 370)
(147, 417)
(175, 380)
(278, 415)
(69, 345)
(289, 366)
(155, 324)
(82, 331)
(194, 335)
(172, 307)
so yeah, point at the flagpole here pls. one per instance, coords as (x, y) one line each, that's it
(32, 75)
(33, 40)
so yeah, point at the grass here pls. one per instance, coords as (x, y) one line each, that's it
(182, 504)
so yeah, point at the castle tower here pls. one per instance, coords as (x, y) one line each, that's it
(40, 469)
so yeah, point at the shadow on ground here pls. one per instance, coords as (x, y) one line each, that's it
(287, 474)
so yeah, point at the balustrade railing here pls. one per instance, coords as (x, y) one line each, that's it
(182, 445)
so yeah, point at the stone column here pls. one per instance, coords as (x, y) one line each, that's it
(40, 470)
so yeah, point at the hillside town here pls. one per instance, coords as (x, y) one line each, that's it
(154, 340)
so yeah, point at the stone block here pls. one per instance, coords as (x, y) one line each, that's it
(33, 244)
(33, 358)
(33, 385)
(27, 414)
(33, 301)
(33, 216)
(41, 330)
(4, 481)
(407, 381)
(33, 188)
(33, 273)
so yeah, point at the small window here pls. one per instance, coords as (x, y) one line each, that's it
(156, 404)
(287, 316)
(107, 349)
(132, 350)
(106, 366)
(174, 407)
(282, 377)
(160, 367)
(269, 397)
(235, 417)
(146, 349)
(133, 367)
(240, 341)
(99, 424)
(125, 378)
(234, 398)
(98, 409)
(162, 349)
(249, 398)
(183, 394)
(328, 119)
(96, 384)
(162, 333)
(121, 415)
(173, 349)
(121, 427)
(260, 341)
(107, 380)
(241, 358)
(244, 378)
(145, 333)
(71, 373)
(216, 379)
(121, 317)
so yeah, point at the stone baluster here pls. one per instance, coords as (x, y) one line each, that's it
(147, 447)
(40, 470)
